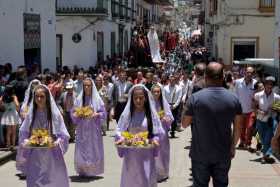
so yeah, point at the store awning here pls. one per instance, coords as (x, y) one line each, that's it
(258, 61)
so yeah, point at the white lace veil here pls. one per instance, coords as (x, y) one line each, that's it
(97, 101)
(166, 106)
(154, 45)
(58, 124)
(27, 94)
(125, 117)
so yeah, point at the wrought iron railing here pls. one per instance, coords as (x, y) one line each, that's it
(267, 5)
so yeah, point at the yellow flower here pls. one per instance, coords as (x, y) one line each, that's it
(83, 112)
(40, 137)
(138, 140)
(161, 113)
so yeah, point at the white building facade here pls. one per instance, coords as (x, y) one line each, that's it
(239, 29)
(27, 33)
(277, 35)
(88, 31)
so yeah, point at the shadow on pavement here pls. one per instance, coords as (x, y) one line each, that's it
(84, 179)
(187, 147)
(173, 137)
(256, 160)
(21, 176)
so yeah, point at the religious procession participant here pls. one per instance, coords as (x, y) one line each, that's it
(166, 117)
(89, 148)
(44, 167)
(103, 92)
(139, 115)
(23, 112)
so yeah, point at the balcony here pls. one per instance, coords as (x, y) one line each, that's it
(122, 11)
(161, 2)
(128, 14)
(266, 5)
(71, 8)
(133, 15)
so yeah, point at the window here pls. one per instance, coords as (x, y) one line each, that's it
(126, 41)
(100, 46)
(59, 40)
(266, 5)
(243, 48)
(113, 43)
(213, 7)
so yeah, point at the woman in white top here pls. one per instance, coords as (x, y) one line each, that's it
(10, 117)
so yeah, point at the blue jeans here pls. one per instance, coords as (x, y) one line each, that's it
(266, 133)
(202, 171)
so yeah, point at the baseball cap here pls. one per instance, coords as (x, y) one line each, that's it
(270, 78)
(69, 85)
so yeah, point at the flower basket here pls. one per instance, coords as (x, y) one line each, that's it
(40, 138)
(136, 141)
(83, 112)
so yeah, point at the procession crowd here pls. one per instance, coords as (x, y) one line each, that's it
(202, 95)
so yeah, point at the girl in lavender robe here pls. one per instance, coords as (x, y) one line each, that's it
(163, 159)
(139, 115)
(89, 149)
(44, 167)
(28, 96)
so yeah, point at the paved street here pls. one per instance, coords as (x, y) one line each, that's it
(246, 170)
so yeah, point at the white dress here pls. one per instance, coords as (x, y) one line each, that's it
(10, 116)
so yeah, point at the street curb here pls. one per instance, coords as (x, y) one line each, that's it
(6, 156)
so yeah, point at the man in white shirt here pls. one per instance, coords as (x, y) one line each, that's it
(265, 123)
(244, 89)
(186, 86)
(120, 92)
(173, 95)
(109, 88)
(78, 84)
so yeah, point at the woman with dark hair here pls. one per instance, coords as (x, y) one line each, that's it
(10, 118)
(166, 117)
(89, 148)
(138, 116)
(23, 112)
(43, 167)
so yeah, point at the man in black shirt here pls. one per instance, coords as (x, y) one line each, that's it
(211, 113)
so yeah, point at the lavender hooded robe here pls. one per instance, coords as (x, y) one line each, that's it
(139, 169)
(89, 149)
(44, 167)
(163, 159)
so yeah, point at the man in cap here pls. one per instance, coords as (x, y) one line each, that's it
(66, 102)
